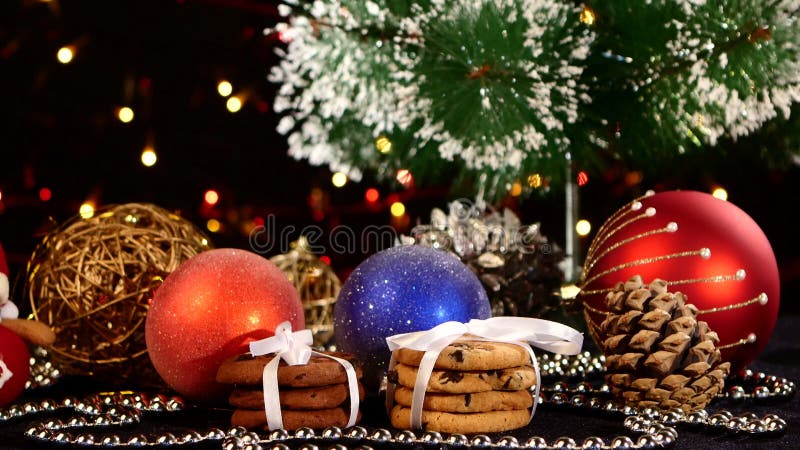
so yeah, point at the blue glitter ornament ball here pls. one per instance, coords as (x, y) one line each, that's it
(399, 290)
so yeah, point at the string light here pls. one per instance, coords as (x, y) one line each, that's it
(587, 16)
(211, 197)
(516, 189)
(125, 114)
(86, 210)
(397, 209)
(149, 156)
(583, 227)
(720, 193)
(234, 104)
(535, 180)
(213, 225)
(65, 54)
(633, 178)
(339, 179)
(372, 195)
(404, 177)
(582, 178)
(225, 88)
(284, 37)
(569, 291)
(45, 194)
(1, 196)
(383, 144)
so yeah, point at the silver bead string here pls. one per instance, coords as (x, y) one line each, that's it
(43, 372)
(103, 411)
(652, 435)
(655, 435)
(121, 410)
(583, 365)
(762, 387)
(656, 428)
(747, 385)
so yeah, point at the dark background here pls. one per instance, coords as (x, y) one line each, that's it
(58, 130)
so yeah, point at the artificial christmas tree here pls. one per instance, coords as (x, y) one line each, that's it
(515, 90)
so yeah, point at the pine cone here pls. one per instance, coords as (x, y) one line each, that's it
(657, 353)
(521, 282)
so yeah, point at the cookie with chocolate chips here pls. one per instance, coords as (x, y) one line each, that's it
(475, 387)
(314, 395)
(320, 418)
(469, 402)
(460, 382)
(464, 423)
(467, 354)
(320, 371)
(318, 397)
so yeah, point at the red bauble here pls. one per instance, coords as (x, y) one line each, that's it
(3, 262)
(14, 366)
(210, 309)
(707, 248)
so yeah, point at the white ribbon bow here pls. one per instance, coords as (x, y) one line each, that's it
(523, 331)
(294, 348)
(8, 310)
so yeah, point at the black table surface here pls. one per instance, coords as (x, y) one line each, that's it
(781, 358)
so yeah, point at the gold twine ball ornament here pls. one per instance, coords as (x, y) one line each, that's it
(317, 285)
(91, 280)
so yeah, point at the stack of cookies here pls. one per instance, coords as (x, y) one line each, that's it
(475, 387)
(314, 395)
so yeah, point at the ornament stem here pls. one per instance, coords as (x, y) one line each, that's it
(480, 202)
(572, 255)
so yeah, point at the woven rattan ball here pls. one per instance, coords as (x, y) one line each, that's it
(91, 280)
(317, 285)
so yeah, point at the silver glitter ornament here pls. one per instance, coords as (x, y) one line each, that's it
(517, 265)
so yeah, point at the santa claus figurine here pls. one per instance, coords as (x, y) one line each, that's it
(14, 332)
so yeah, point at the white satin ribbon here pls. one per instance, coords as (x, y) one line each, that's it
(294, 348)
(8, 310)
(523, 331)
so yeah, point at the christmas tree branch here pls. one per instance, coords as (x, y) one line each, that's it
(755, 34)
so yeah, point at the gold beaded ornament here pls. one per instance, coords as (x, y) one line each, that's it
(91, 281)
(317, 285)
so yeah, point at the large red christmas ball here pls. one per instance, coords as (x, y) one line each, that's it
(14, 366)
(707, 248)
(210, 309)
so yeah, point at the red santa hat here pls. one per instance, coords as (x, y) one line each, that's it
(32, 331)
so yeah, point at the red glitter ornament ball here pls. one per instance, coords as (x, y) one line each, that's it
(707, 248)
(210, 309)
(14, 366)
